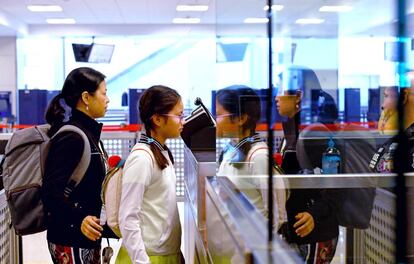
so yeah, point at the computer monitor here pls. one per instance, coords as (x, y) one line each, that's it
(81, 52)
(5, 105)
(93, 53)
(231, 52)
(101, 53)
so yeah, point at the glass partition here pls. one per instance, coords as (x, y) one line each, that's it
(337, 73)
(338, 78)
(239, 107)
(240, 95)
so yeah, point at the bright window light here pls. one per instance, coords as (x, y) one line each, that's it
(186, 20)
(274, 7)
(256, 20)
(44, 8)
(305, 21)
(195, 8)
(339, 8)
(60, 21)
(3, 22)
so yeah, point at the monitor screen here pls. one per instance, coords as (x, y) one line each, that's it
(393, 50)
(231, 52)
(81, 52)
(101, 53)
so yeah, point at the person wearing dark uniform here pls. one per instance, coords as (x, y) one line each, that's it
(384, 160)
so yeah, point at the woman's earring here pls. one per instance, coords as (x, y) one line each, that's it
(87, 108)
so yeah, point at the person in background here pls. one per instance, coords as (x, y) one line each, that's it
(148, 213)
(312, 229)
(74, 231)
(388, 122)
(384, 161)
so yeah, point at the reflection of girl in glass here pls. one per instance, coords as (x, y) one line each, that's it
(244, 160)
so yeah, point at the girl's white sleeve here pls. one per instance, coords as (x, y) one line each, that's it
(260, 167)
(136, 176)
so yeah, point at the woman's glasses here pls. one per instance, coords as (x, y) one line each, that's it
(180, 117)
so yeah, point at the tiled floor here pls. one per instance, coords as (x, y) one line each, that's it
(35, 246)
(35, 249)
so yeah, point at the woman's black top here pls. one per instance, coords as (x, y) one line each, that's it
(313, 201)
(66, 215)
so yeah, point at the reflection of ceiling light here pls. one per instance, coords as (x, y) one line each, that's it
(3, 22)
(44, 8)
(274, 7)
(196, 8)
(339, 8)
(309, 21)
(256, 20)
(60, 21)
(186, 20)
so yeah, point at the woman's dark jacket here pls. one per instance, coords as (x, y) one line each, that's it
(66, 215)
(313, 201)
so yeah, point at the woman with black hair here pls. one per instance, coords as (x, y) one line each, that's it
(74, 231)
(148, 213)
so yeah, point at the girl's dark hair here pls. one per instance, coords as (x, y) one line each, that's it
(78, 81)
(157, 99)
(241, 100)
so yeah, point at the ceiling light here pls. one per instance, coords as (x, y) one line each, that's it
(60, 21)
(196, 8)
(256, 20)
(186, 20)
(305, 21)
(339, 8)
(274, 7)
(44, 8)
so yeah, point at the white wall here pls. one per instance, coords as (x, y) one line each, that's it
(8, 73)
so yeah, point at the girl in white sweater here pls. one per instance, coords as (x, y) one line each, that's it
(245, 159)
(148, 213)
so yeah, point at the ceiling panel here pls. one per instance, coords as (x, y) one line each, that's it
(366, 15)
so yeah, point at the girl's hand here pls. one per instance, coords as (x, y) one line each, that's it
(91, 228)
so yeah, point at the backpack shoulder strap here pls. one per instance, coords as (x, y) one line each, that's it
(83, 165)
(254, 151)
(275, 166)
(148, 151)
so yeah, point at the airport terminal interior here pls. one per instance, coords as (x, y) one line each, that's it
(297, 143)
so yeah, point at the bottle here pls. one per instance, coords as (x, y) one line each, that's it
(331, 159)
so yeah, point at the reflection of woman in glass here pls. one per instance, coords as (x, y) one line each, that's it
(312, 227)
(244, 160)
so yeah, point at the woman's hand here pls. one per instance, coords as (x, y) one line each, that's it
(91, 228)
(304, 225)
